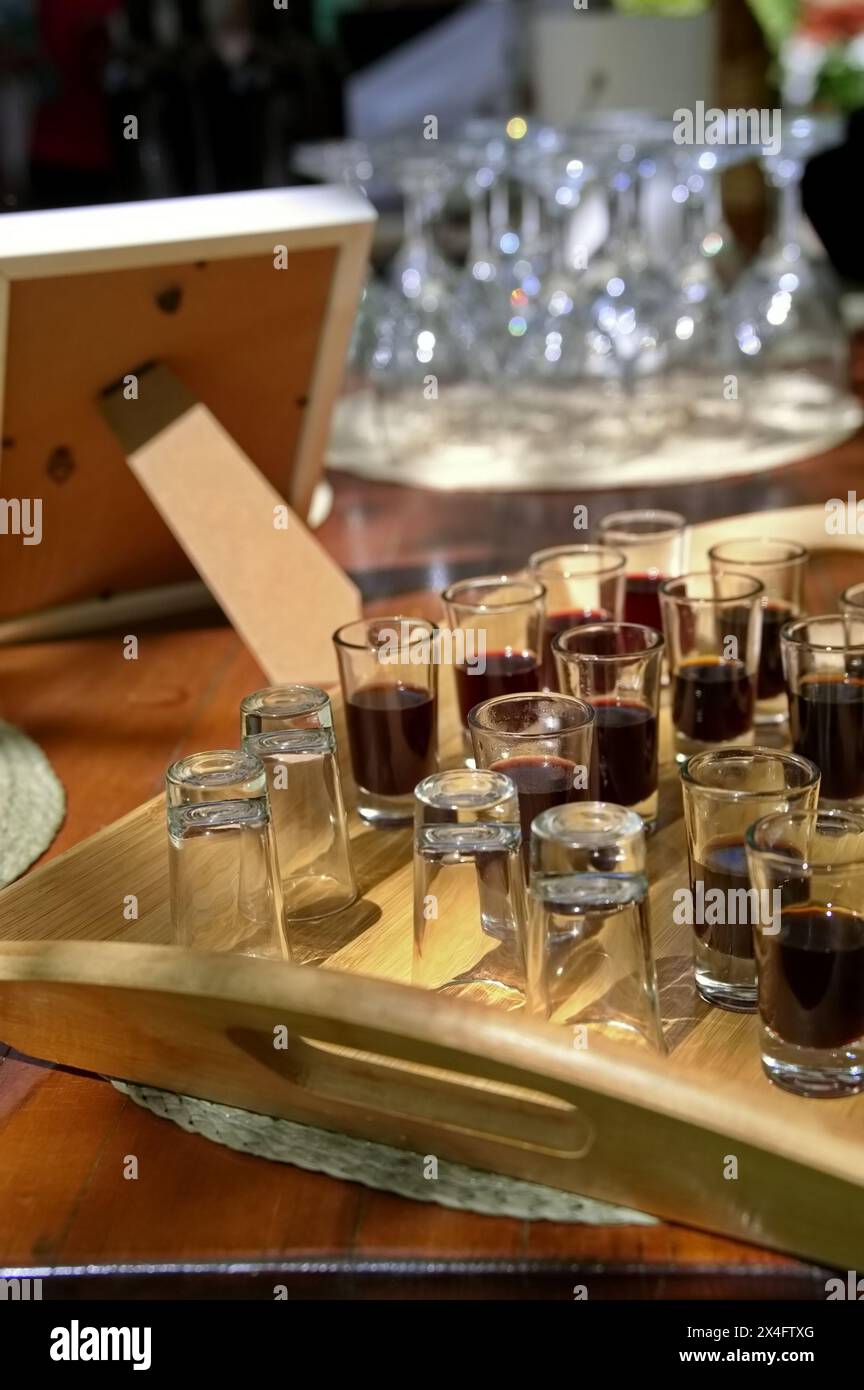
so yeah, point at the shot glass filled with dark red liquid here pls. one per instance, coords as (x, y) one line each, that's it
(542, 742)
(616, 668)
(388, 671)
(725, 791)
(496, 635)
(810, 959)
(713, 627)
(824, 661)
(654, 543)
(779, 565)
(584, 584)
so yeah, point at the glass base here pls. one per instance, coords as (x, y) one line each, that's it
(310, 896)
(685, 747)
(738, 998)
(384, 811)
(820, 1073)
(496, 994)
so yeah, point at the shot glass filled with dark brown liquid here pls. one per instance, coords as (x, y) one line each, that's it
(542, 742)
(388, 669)
(725, 791)
(584, 584)
(654, 544)
(779, 565)
(811, 959)
(824, 660)
(616, 668)
(496, 633)
(713, 626)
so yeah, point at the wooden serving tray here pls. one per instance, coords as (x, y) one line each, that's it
(368, 1054)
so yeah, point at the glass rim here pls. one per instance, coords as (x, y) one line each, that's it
(619, 823)
(798, 556)
(236, 763)
(312, 698)
(490, 581)
(570, 702)
(613, 522)
(538, 559)
(498, 782)
(342, 641)
(850, 820)
(757, 589)
(761, 751)
(787, 633)
(844, 597)
(650, 648)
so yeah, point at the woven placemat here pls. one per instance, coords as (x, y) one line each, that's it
(32, 802)
(378, 1165)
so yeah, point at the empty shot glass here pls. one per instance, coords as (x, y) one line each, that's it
(655, 546)
(823, 657)
(811, 958)
(779, 565)
(469, 890)
(542, 742)
(725, 791)
(222, 866)
(389, 677)
(617, 668)
(497, 620)
(285, 707)
(309, 823)
(584, 584)
(589, 960)
(713, 626)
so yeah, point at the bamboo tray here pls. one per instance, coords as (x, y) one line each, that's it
(368, 1054)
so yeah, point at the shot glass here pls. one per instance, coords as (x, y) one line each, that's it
(542, 742)
(779, 565)
(852, 600)
(655, 546)
(617, 668)
(469, 890)
(823, 658)
(222, 865)
(713, 628)
(589, 961)
(811, 958)
(584, 584)
(498, 623)
(285, 707)
(724, 792)
(308, 813)
(388, 671)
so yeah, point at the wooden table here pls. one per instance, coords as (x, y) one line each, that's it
(110, 727)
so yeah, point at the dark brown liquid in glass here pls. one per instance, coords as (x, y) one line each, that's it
(770, 682)
(642, 600)
(562, 622)
(506, 673)
(723, 866)
(391, 734)
(541, 782)
(712, 700)
(811, 976)
(624, 757)
(826, 721)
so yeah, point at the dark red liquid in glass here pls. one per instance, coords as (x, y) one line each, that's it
(561, 622)
(642, 600)
(391, 734)
(541, 783)
(770, 682)
(712, 700)
(624, 760)
(826, 721)
(811, 976)
(506, 673)
(723, 866)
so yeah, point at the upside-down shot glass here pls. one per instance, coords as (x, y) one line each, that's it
(584, 584)
(222, 865)
(388, 671)
(713, 627)
(725, 790)
(542, 742)
(655, 546)
(617, 668)
(589, 960)
(779, 566)
(497, 621)
(823, 657)
(469, 889)
(285, 707)
(811, 960)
